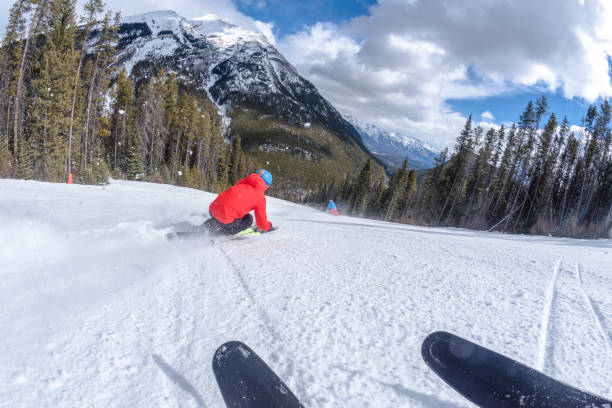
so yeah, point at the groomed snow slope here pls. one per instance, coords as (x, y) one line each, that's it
(97, 309)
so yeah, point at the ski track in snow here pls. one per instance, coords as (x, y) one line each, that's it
(573, 335)
(596, 313)
(546, 345)
(99, 310)
(276, 337)
(263, 315)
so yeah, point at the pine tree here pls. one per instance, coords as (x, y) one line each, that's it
(27, 160)
(433, 189)
(503, 182)
(151, 124)
(409, 193)
(53, 89)
(237, 169)
(222, 170)
(377, 206)
(395, 192)
(457, 170)
(541, 108)
(134, 165)
(345, 189)
(555, 164)
(98, 70)
(490, 189)
(566, 175)
(542, 173)
(476, 184)
(526, 131)
(92, 8)
(25, 56)
(9, 62)
(180, 122)
(360, 189)
(242, 165)
(123, 95)
(209, 140)
(596, 190)
(171, 98)
(216, 143)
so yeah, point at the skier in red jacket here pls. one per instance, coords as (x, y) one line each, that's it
(230, 210)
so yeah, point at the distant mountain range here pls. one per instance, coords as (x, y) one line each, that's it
(393, 148)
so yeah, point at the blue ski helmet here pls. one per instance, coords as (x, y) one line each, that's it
(265, 175)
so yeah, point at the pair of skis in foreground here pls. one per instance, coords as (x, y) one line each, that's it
(484, 377)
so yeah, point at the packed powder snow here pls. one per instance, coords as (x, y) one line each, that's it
(99, 309)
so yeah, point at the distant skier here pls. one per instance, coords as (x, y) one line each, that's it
(230, 210)
(332, 207)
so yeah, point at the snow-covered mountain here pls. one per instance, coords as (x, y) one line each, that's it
(394, 148)
(238, 68)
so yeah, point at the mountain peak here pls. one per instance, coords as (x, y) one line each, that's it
(158, 21)
(210, 25)
(392, 147)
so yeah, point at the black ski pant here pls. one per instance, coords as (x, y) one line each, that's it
(232, 228)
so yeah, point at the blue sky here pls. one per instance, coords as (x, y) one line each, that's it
(507, 108)
(291, 16)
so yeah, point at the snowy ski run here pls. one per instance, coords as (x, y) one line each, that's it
(99, 309)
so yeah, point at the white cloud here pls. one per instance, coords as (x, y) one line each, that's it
(487, 115)
(398, 65)
(384, 89)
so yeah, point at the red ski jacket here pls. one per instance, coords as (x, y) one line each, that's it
(239, 200)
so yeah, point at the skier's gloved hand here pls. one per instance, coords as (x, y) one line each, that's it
(263, 232)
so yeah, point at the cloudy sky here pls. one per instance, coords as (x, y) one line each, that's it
(421, 66)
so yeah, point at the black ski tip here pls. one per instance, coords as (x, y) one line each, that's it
(430, 341)
(228, 350)
(442, 346)
(490, 379)
(245, 381)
